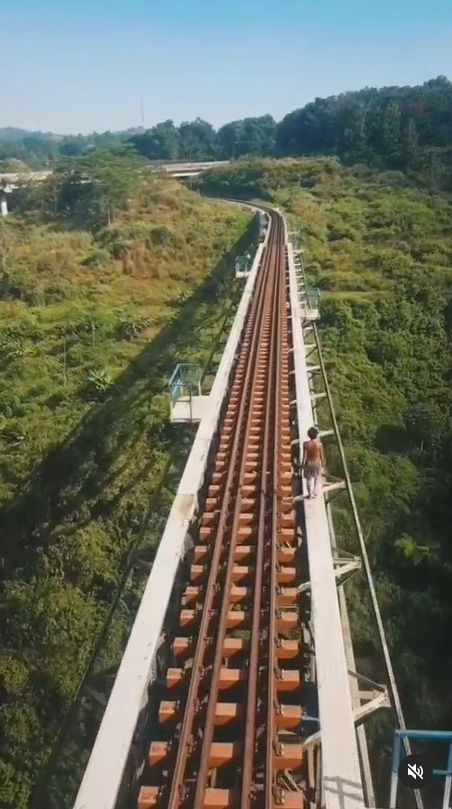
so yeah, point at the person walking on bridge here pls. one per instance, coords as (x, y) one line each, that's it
(313, 460)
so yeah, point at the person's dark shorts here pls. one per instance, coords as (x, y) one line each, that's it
(312, 469)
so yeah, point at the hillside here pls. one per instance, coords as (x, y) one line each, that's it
(105, 285)
(408, 128)
(93, 320)
(380, 250)
(38, 149)
(12, 134)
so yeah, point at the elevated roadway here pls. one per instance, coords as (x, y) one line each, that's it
(11, 180)
(192, 169)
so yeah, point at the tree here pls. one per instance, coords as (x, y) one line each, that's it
(410, 143)
(312, 129)
(391, 127)
(43, 148)
(257, 136)
(73, 147)
(97, 185)
(162, 142)
(228, 138)
(6, 241)
(249, 136)
(196, 140)
(354, 136)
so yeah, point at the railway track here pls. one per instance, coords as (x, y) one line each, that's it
(228, 727)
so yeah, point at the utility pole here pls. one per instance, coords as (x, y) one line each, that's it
(142, 110)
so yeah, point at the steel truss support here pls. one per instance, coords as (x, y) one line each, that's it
(344, 568)
(329, 486)
(379, 699)
(380, 695)
(310, 348)
(98, 687)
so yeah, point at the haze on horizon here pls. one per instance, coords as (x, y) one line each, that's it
(82, 67)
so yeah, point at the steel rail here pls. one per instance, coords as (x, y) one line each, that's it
(177, 786)
(245, 750)
(267, 481)
(176, 793)
(272, 696)
(218, 752)
(213, 694)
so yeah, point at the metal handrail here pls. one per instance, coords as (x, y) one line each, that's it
(393, 690)
(421, 735)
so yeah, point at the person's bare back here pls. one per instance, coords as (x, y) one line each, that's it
(313, 460)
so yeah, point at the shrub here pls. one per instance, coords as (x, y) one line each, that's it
(130, 327)
(99, 383)
(162, 235)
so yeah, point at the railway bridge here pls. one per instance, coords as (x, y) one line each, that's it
(238, 688)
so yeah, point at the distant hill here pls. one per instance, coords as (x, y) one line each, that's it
(14, 133)
(11, 134)
(37, 149)
(394, 127)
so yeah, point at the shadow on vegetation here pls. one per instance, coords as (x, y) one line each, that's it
(67, 489)
(393, 438)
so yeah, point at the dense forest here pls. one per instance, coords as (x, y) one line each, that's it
(105, 285)
(401, 127)
(380, 249)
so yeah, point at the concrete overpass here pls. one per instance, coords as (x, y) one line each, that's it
(180, 169)
(16, 178)
(191, 169)
(9, 181)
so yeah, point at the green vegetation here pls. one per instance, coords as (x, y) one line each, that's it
(388, 126)
(41, 148)
(381, 251)
(86, 193)
(197, 140)
(110, 275)
(104, 287)
(405, 128)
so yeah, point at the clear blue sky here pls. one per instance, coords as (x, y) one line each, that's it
(81, 65)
